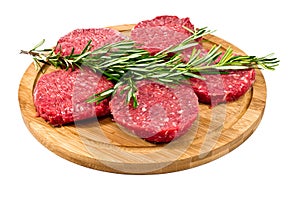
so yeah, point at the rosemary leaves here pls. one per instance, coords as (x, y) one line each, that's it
(125, 63)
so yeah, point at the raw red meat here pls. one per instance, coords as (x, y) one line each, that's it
(163, 114)
(162, 32)
(172, 22)
(79, 38)
(223, 87)
(59, 97)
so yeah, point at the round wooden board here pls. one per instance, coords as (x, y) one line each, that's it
(100, 144)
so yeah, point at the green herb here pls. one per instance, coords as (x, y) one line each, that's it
(125, 63)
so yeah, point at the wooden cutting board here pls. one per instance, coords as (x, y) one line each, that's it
(100, 144)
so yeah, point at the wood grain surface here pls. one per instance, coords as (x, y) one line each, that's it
(101, 144)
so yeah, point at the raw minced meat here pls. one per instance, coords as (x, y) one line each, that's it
(163, 114)
(60, 96)
(172, 22)
(162, 32)
(221, 88)
(79, 38)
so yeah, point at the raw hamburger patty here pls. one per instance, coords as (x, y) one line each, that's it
(172, 22)
(223, 88)
(79, 38)
(162, 32)
(59, 97)
(163, 113)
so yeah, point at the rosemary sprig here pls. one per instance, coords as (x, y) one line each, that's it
(121, 53)
(125, 63)
(229, 61)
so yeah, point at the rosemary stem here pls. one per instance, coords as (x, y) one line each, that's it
(124, 63)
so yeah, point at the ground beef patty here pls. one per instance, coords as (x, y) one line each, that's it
(171, 22)
(59, 97)
(163, 113)
(80, 37)
(224, 87)
(162, 32)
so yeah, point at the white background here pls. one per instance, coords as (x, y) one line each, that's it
(266, 166)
